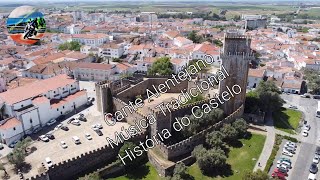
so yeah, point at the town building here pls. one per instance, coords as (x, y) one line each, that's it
(33, 105)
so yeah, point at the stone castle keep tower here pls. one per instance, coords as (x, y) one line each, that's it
(236, 56)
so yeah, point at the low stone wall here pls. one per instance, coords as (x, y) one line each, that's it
(161, 169)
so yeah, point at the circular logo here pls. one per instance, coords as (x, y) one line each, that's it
(26, 25)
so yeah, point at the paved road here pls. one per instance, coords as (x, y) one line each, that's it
(308, 145)
(267, 148)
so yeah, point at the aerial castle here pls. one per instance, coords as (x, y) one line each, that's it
(236, 56)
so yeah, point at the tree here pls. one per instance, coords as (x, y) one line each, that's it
(73, 46)
(215, 139)
(130, 164)
(91, 176)
(252, 103)
(109, 105)
(17, 158)
(257, 175)
(269, 96)
(161, 66)
(194, 37)
(229, 133)
(313, 80)
(199, 124)
(213, 159)
(179, 172)
(198, 151)
(240, 126)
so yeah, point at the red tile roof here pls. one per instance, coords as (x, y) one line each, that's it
(11, 123)
(256, 73)
(36, 88)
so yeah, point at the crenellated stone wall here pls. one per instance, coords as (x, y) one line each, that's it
(187, 145)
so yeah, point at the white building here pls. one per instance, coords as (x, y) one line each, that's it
(112, 50)
(255, 76)
(34, 104)
(90, 39)
(95, 72)
(181, 41)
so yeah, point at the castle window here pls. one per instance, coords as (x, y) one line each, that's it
(21, 105)
(62, 107)
(30, 120)
(57, 109)
(14, 128)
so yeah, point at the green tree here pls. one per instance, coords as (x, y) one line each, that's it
(213, 159)
(269, 96)
(215, 139)
(194, 37)
(73, 46)
(199, 124)
(91, 176)
(241, 126)
(313, 80)
(127, 146)
(257, 175)
(161, 66)
(198, 151)
(180, 172)
(252, 103)
(17, 158)
(109, 105)
(229, 133)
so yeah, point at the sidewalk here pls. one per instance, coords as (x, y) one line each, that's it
(268, 145)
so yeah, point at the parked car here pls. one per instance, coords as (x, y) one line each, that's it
(312, 176)
(293, 107)
(44, 138)
(52, 121)
(306, 127)
(316, 159)
(287, 153)
(283, 159)
(289, 146)
(285, 163)
(50, 136)
(278, 176)
(99, 132)
(88, 136)
(97, 126)
(318, 150)
(70, 120)
(76, 140)
(36, 130)
(304, 133)
(59, 125)
(284, 166)
(65, 128)
(76, 122)
(282, 171)
(291, 143)
(81, 115)
(48, 162)
(313, 168)
(13, 144)
(83, 119)
(63, 144)
(292, 150)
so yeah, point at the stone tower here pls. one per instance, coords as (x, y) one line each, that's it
(236, 56)
(101, 94)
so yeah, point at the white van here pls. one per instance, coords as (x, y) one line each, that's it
(48, 162)
(76, 140)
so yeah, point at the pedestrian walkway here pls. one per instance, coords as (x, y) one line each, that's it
(268, 145)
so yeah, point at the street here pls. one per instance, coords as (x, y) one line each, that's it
(308, 144)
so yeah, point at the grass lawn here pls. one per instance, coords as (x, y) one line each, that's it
(142, 172)
(240, 159)
(287, 120)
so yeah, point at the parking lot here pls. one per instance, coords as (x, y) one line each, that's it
(279, 155)
(53, 148)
